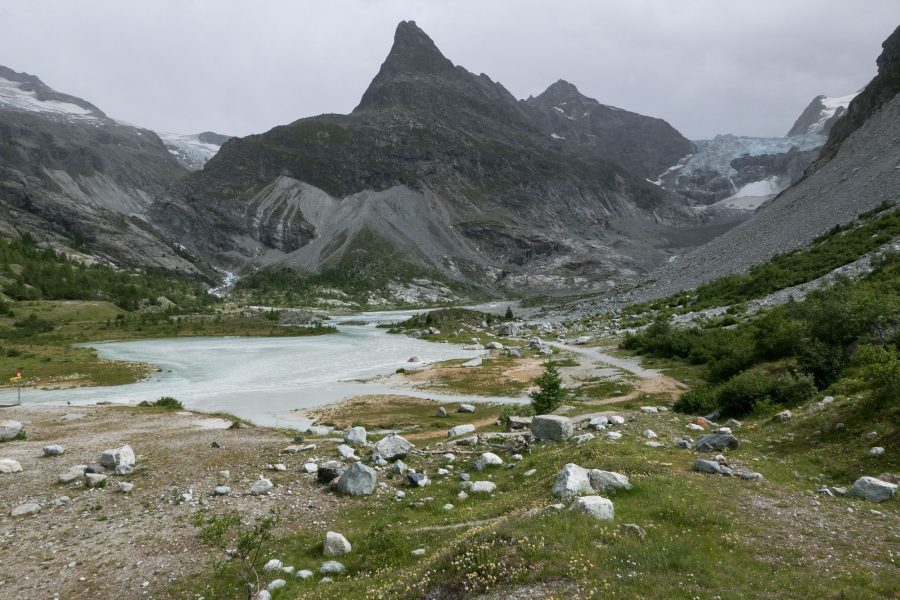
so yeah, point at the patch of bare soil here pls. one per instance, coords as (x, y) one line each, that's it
(103, 543)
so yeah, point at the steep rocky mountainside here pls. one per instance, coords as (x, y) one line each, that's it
(820, 115)
(71, 176)
(444, 173)
(643, 145)
(859, 169)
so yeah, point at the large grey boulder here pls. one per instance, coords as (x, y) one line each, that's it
(466, 408)
(72, 473)
(515, 423)
(358, 480)
(460, 430)
(572, 481)
(392, 447)
(118, 457)
(872, 489)
(9, 429)
(355, 436)
(8, 465)
(552, 427)
(604, 481)
(508, 329)
(336, 544)
(715, 442)
(597, 507)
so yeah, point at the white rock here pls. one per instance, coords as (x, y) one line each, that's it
(112, 459)
(346, 451)
(336, 544)
(649, 410)
(613, 435)
(355, 436)
(8, 465)
(418, 552)
(489, 458)
(126, 487)
(876, 451)
(310, 467)
(649, 434)
(572, 481)
(9, 429)
(23, 510)
(460, 430)
(466, 408)
(616, 420)
(604, 481)
(276, 584)
(483, 487)
(597, 507)
(304, 574)
(273, 565)
(552, 427)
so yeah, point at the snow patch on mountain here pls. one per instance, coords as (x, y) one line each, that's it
(15, 97)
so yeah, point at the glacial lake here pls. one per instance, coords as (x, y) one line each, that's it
(263, 379)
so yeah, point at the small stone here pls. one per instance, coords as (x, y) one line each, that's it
(649, 410)
(449, 457)
(125, 487)
(261, 486)
(95, 480)
(392, 447)
(616, 420)
(466, 408)
(23, 510)
(649, 434)
(441, 412)
(418, 479)
(310, 467)
(336, 544)
(876, 451)
(750, 475)
(222, 490)
(460, 430)
(613, 435)
(346, 451)
(276, 584)
(605, 481)
(783, 416)
(329, 471)
(9, 429)
(279, 467)
(462, 496)
(273, 565)
(419, 552)
(484, 488)
(304, 574)
(8, 465)
(529, 472)
(332, 567)
(224, 475)
(707, 466)
(581, 439)
(491, 459)
(215, 444)
(632, 529)
(448, 507)
(53, 450)
(399, 494)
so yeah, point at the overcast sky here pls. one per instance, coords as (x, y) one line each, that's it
(240, 67)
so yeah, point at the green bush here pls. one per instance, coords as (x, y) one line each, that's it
(699, 401)
(740, 394)
(168, 403)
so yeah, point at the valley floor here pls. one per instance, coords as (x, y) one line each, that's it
(706, 536)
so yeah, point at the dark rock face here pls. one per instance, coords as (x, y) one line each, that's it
(644, 145)
(881, 90)
(445, 169)
(69, 174)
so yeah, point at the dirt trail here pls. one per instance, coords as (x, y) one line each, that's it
(650, 381)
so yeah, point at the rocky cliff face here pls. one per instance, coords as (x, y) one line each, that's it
(448, 170)
(70, 174)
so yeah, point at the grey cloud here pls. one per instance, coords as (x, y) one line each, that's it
(706, 66)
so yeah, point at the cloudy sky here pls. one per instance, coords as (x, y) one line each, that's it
(242, 66)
